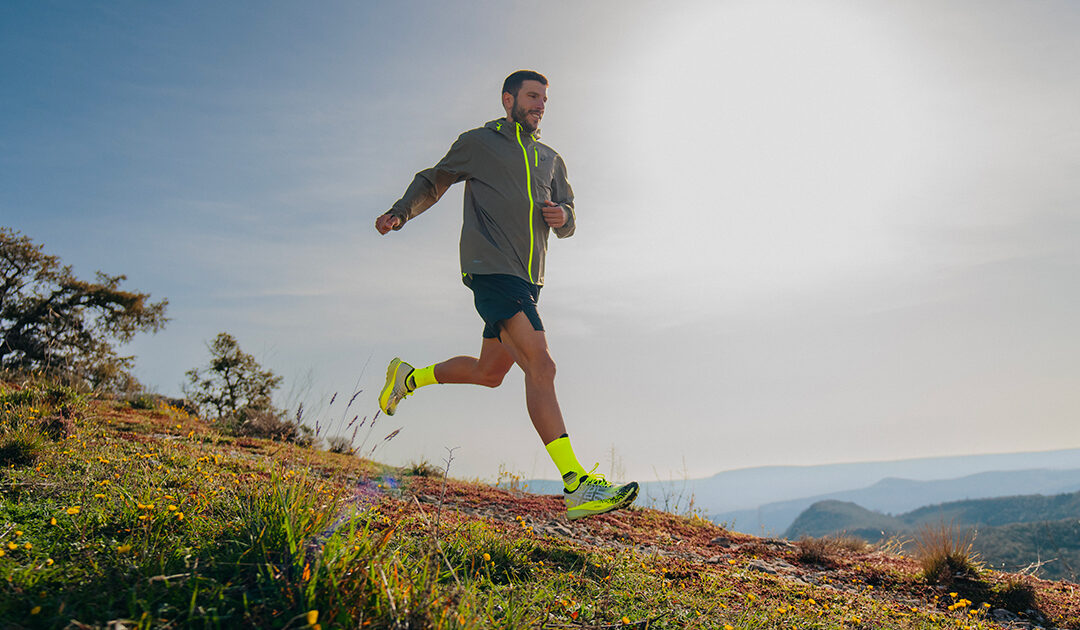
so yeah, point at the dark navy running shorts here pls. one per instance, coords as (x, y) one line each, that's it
(498, 297)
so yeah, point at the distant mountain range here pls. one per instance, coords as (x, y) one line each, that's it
(1010, 532)
(893, 496)
(765, 500)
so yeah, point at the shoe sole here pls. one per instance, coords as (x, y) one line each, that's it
(388, 388)
(618, 506)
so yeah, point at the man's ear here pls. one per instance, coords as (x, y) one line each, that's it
(508, 102)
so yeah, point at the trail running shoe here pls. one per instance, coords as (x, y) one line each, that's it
(397, 386)
(596, 495)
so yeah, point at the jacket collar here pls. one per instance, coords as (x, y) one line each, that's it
(505, 127)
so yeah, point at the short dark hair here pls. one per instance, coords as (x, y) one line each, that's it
(512, 84)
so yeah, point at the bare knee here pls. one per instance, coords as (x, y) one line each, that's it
(541, 368)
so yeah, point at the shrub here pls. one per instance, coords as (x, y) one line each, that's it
(813, 550)
(143, 401)
(339, 444)
(423, 469)
(1013, 594)
(273, 425)
(946, 553)
(822, 550)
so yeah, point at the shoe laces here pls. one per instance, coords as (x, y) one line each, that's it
(594, 478)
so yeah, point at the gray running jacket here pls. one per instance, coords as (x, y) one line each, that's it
(508, 175)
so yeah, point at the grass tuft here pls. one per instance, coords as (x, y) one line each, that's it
(423, 469)
(21, 446)
(945, 553)
(824, 550)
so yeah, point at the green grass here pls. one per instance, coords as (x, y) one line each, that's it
(150, 519)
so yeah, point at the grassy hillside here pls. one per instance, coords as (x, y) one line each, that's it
(118, 517)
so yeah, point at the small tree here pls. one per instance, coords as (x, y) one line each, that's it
(239, 393)
(52, 322)
(234, 386)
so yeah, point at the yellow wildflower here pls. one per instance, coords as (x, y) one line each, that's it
(35, 610)
(12, 546)
(312, 617)
(487, 557)
(73, 510)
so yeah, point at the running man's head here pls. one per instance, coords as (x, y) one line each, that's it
(523, 96)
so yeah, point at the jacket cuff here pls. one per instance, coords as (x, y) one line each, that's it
(402, 219)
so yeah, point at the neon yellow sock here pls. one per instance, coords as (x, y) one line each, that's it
(423, 376)
(563, 455)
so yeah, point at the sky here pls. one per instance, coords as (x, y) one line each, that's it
(808, 233)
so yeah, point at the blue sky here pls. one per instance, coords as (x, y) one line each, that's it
(809, 233)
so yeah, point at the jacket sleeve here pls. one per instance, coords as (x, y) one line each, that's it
(562, 194)
(429, 185)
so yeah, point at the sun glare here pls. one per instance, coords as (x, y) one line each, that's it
(785, 140)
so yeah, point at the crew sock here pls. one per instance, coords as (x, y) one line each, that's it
(421, 377)
(563, 455)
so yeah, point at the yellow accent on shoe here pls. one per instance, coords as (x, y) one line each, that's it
(397, 387)
(595, 495)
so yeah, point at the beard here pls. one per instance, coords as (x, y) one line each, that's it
(519, 115)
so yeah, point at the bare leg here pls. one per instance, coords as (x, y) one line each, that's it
(488, 370)
(529, 350)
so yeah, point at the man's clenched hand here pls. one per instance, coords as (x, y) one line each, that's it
(554, 214)
(387, 222)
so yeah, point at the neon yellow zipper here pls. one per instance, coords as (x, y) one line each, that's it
(528, 187)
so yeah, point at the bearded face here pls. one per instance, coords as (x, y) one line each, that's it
(528, 105)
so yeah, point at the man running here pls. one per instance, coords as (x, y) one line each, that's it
(515, 193)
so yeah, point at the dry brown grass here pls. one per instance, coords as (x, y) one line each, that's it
(823, 550)
(945, 553)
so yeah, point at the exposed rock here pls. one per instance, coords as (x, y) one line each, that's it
(764, 567)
